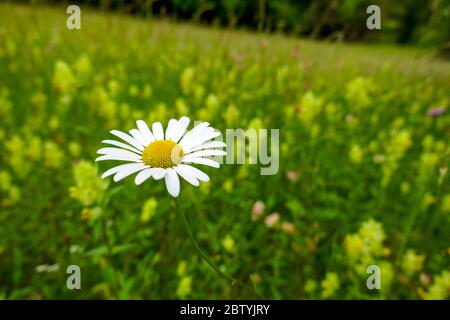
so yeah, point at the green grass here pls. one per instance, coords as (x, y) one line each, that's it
(371, 164)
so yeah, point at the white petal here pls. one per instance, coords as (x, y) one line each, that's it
(206, 153)
(132, 168)
(145, 132)
(144, 175)
(201, 139)
(158, 131)
(116, 169)
(186, 176)
(204, 161)
(138, 136)
(122, 145)
(193, 139)
(172, 182)
(200, 175)
(159, 173)
(118, 158)
(127, 138)
(191, 136)
(181, 128)
(119, 152)
(206, 145)
(171, 128)
(197, 128)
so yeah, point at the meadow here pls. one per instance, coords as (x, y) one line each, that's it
(363, 177)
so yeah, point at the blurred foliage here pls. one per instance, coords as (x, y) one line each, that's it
(364, 147)
(424, 22)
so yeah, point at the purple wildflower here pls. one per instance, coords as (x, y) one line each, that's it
(435, 112)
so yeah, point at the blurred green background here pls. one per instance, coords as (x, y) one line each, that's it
(364, 147)
(420, 22)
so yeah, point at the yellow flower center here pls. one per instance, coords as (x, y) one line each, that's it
(162, 154)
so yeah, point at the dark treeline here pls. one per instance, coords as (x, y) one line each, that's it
(419, 22)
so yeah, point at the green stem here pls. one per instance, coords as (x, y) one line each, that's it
(205, 257)
(110, 253)
(406, 234)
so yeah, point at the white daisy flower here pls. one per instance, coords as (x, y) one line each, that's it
(158, 154)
